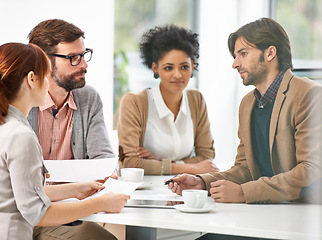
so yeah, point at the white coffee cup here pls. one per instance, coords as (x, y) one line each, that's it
(132, 174)
(194, 198)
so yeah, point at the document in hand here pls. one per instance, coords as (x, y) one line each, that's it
(117, 186)
(81, 170)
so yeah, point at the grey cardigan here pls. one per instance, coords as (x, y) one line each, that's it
(89, 137)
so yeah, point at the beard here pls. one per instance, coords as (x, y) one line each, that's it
(257, 72)
(68, 82)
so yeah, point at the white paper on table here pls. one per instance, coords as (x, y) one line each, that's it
(117, 186)
(80, 170)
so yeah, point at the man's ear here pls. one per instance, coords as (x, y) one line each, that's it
(271, 53)
(31, 79)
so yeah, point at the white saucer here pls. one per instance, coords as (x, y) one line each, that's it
(183, 208)
(144, 185)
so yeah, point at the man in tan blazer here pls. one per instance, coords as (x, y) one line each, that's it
(280, 124)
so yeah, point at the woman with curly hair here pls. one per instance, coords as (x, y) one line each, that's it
(165, 130)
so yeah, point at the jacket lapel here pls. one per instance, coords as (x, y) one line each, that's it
(280, 98)
(247, 138)
(77, 143)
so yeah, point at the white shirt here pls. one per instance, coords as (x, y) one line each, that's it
(164, 137)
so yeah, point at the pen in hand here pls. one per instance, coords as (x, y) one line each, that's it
(170, 180)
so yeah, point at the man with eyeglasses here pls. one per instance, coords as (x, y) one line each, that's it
(70, 125)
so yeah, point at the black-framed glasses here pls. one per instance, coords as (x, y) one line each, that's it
(76, 59)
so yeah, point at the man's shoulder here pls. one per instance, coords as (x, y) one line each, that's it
(248, 97)
(302, 83)
(86, 90)
(85, 94)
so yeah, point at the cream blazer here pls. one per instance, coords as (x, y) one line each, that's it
(295, 138)
(131, 130)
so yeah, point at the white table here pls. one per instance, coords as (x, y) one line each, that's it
(276, 221)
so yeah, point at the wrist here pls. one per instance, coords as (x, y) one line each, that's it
(201, 182)
(193, 169)
(98, 204)
(74, 189)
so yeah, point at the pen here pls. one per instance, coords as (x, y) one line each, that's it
(170, 180)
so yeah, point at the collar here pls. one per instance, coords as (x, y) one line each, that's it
(17, 114)
(50, 103)
(162, 109)
(270, 93)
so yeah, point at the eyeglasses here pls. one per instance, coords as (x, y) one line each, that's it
(76, 59)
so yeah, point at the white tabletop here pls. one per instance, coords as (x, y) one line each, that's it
(277, 221)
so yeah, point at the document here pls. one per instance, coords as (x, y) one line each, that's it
(111, 185)
(117, 186)
(81, 170)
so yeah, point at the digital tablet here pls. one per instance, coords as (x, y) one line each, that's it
(152, 203)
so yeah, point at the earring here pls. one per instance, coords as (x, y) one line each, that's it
(191, 75)
(33, 86)
(156, 75)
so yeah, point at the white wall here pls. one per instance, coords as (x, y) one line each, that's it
(96, 18)
(218, 81)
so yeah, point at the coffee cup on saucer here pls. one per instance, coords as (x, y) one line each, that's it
(132, 174)
(194, 198)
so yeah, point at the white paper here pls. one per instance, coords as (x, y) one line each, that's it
(117, 186)
(81, 170)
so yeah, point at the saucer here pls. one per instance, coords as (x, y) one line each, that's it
(183, 208)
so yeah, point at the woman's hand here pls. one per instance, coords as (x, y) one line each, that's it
(113, 202)
(204, 166)
(144, 153)
(86, 189)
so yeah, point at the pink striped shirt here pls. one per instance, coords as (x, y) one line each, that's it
(55, 132)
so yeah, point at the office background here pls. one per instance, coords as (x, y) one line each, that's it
(113, 29)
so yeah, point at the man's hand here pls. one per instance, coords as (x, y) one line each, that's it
(185, 181)
(225, 191)
(113, 175)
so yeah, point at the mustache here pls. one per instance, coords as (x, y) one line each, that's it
(83, 71)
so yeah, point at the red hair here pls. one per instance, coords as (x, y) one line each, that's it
(16, 61)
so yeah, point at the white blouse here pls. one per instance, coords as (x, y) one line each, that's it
(164, 137)
(23, 201)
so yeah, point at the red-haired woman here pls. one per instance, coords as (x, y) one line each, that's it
(24, 201)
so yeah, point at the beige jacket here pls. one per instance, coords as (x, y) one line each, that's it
(295, 144)
(131, 130)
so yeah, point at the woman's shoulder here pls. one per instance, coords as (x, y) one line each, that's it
(193, 92)
(135, 97)
(13, 131)
(194, 95)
